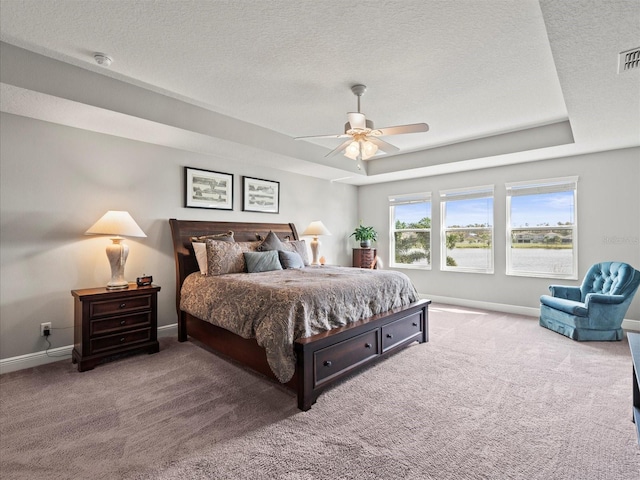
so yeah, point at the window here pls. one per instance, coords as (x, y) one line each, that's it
(542, 233)
(467, 230)
(410, 230)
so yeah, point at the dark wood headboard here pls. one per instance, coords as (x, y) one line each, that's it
(183, 230)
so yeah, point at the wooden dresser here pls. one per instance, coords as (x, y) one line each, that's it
(114, 322)
(364, 257)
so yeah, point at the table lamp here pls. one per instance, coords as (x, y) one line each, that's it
(117, 224)
(316, 228)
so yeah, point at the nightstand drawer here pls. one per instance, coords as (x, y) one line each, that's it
(126, 339)
(120, 306)
(118, 324)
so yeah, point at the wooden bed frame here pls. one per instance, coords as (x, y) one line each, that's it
(322, 359)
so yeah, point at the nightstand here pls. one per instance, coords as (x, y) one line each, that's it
(114, 322)
(364, 257)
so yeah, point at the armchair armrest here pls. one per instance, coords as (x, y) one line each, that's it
(566, 292)
(602, 298)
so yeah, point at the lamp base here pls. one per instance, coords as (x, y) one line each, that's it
(315, 248)
(117, 254)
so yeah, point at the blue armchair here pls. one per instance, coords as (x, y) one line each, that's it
(595, 310)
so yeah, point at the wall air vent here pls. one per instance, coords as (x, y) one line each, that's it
(629, 60)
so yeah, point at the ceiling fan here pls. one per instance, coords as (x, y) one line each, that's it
(363, 140)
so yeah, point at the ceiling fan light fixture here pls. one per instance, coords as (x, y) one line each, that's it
(368, 149)
(352, 151)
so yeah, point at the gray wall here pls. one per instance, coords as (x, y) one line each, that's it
(57, 181)
(608, 223)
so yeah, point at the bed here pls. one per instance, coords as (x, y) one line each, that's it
(321, 357)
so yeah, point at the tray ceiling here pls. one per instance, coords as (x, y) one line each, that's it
(498, 82)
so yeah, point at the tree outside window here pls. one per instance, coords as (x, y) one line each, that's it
(410, 217)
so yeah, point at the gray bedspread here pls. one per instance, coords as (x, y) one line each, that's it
(277, 308)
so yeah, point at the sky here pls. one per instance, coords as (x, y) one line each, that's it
(412, 212)
(533, 210)
(548, 208)
(470, 212)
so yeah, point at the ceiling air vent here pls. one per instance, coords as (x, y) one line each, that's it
(629, 60)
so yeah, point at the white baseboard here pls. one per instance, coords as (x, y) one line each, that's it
(627, 324)
(36, 359)
(496, 307)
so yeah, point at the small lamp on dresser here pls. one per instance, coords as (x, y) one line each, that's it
(118, 224)
(315, 229)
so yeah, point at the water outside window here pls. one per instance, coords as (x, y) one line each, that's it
(542, 234)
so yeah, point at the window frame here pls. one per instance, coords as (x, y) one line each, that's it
(540, 187)
(467, 193)
(405, 199)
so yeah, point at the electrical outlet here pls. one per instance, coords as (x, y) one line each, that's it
(46, 326)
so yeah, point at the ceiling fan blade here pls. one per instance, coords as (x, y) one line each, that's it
(337, 135)
(413, 128)
(340, 147)
(382, 145)
(357, 120)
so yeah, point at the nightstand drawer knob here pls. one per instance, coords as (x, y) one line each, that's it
(415, 324)
(389, 335)
(367, 345)
(123, 305)
(122, 340)
(122, 322)
(328, 363)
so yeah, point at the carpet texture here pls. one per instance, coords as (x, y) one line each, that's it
(491, 396)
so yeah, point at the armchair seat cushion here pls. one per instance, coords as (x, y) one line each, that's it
(567, 306)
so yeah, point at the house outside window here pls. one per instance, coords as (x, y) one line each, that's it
(467, 229)
(410, 231)
(542, 231)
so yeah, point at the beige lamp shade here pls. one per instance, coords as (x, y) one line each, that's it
(117, 224)
(316, 228)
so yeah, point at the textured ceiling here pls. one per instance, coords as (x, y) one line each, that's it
(469, 69)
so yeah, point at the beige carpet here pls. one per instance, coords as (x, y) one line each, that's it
(491, 396)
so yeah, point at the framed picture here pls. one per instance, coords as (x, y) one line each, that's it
(260, 195)
(206, 189)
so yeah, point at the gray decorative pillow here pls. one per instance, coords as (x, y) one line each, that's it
(221, 237)
(290, 259)
(271, 242)
(262, 261)
(298, 246)
(227, 257)
(199, 247)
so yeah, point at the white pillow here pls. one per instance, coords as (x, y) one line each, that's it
(200, 249)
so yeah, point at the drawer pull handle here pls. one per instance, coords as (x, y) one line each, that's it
(327, 363)
(123, 305)
(122, 322)
(389, 335)
(122, 340)
(415, 324)
(367, 345)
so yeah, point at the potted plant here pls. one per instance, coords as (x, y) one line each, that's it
(365, 235)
